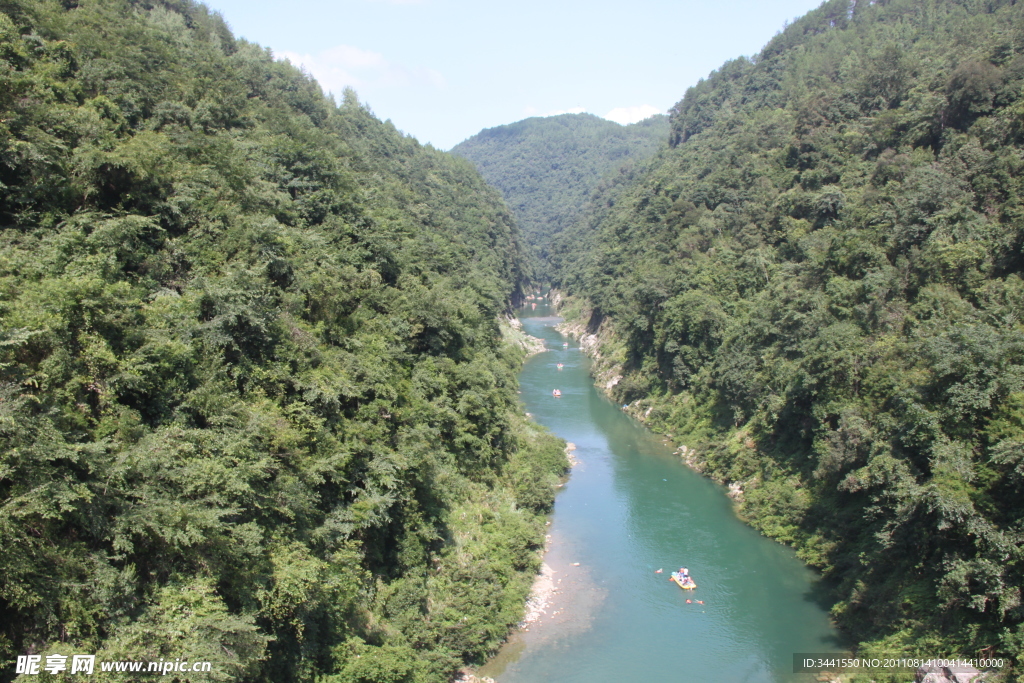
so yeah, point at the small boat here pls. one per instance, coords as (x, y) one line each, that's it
(686, 584)
(560, 366)
(565, 345)
(556, 393)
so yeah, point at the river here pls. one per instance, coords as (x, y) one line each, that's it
(630, 508)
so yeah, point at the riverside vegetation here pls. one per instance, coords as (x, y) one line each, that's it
(255, 406)
(817, 286)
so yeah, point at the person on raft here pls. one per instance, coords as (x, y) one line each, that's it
(683, 576)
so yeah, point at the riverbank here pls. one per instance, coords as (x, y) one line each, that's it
(512, 332)
(544, 588)
(597, 339)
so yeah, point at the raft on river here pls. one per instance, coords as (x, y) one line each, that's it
(686, 584)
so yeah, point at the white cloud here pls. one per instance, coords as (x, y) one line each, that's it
(627, 115)
(346, 66)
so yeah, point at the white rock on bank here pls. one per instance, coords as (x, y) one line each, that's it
(540, 595)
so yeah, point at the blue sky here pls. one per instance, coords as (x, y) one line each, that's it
(442, 70)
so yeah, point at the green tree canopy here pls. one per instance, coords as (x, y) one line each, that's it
(255, 406)
(547, 167)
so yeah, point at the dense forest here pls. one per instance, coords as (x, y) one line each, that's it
(818, 288)
(547, 167)
(256, 407)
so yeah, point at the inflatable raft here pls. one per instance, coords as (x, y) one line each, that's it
(686, 586)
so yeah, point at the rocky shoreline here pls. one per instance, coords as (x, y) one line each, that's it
(512, 330)
(540, 596)
(542, 593)
(544, 584)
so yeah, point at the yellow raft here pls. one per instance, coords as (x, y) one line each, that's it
(685, 586)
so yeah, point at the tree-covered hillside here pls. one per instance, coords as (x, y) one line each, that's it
(819, 287)
(255, 408)
(547, 167)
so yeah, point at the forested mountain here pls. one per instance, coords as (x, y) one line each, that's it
(547, 167)
(255, 408)
(819, 288)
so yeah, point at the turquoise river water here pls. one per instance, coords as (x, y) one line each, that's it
(631, 507)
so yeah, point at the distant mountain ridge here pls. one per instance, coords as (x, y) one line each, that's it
(547, 167)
